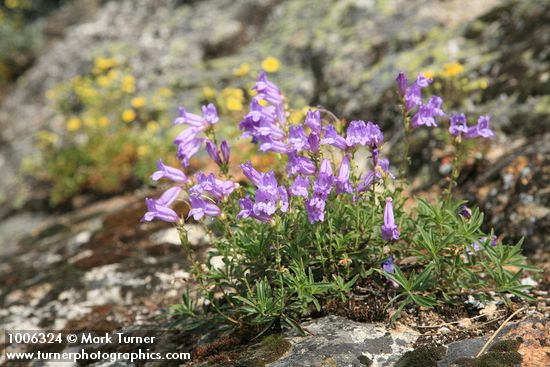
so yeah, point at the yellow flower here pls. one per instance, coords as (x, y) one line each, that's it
(271, 64)
(296, 116)
(428, 74)
(452, 69)
(73, 124)
(113, 74)
(234, 104)
(165, 92)
(129, 84)
(483, 84)
(104, 63)
(142, 150)
(242, 70)
(103, 121)
(153, 127)
(103, 81)
(128, 115)
(208, 92)
(11, 4)
(47, 138)
(138, 102)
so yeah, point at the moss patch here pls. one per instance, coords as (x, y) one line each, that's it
(424, 356)
(501, 354)
(270, 349)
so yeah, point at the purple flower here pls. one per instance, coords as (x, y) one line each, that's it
(254, 176)
(298, 138)
(343, 185)
(465, 212)
(213, 152)
(187, 149)
(314, 142)
(331, 137)
(298, 164)
(480, 130)
(217, 188)
(325, 180)
(226, 150)
(389, 229)
(387, 265)
(402, 83)
(168, 172)
(300, 187)
(459, 125)
(315, 208)
(188, 118)
(375, 175)
(210, 114)
(274, 146)
(200, 208)
(374, 135)
(413, 94)
(283, 196)
(267, 90)
(247, 207)
(427, 112)
(158, 209)
(313, 121)
(356, 133)
(187, 135)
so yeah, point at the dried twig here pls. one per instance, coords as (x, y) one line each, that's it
(498, 330)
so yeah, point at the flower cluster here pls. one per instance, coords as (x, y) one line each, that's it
(310, 175)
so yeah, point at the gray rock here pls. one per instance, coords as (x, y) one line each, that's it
(341, 342)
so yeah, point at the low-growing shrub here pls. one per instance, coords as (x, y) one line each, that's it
(308, 230)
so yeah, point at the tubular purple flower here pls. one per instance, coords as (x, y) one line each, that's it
(226, 151)
(459, 125)
(387, 265)
(413, 94)
(297, 138)
(187, 149)
(343, 185)
(325, 180)
(374, 137)
(314, 142)
(200, 208)
(480, 130)
(247, 207)
(402, 83)
(210, 114)
(331, 137)
(188, 118)
(356, 133)
(168, 172)
(427, 112)
(267, 90)
(274, 146)
(300, 187)
(389, 228)
(313, 121)
(213, 152)
(186, 135)
(217, 188)
(465, 212)
(283, 196)
(298, 164)
(315, 208)
(254, 176)
(158, 209)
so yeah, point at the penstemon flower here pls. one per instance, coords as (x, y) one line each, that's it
(159, 209)
(169, 173)
(389, 228)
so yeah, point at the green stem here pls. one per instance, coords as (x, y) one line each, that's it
(455, 168)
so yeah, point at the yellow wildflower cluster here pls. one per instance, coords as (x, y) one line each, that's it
(271, 64)
(232, 99)
(452, 69)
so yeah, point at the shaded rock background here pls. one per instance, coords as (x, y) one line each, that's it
(86, 267)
